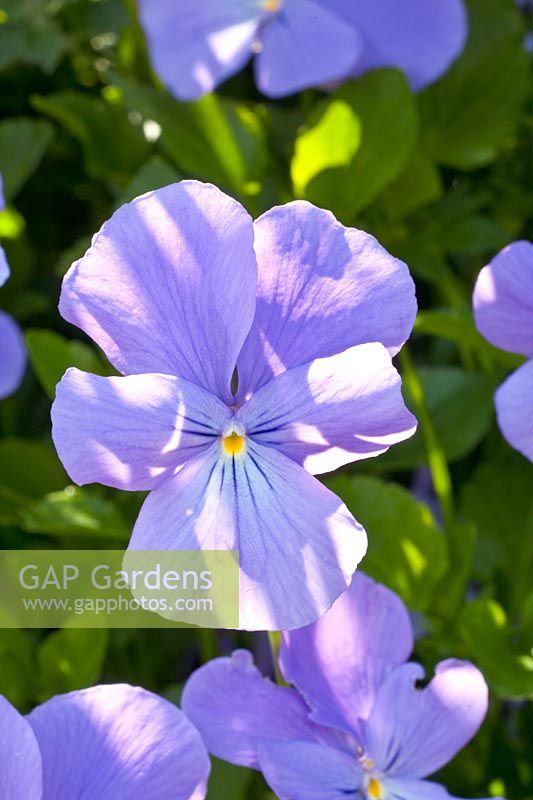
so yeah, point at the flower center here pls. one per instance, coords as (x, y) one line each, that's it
(233, 444)
(374, 789)
(272, 6)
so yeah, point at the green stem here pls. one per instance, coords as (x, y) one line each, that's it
(274, 639)
(207, 641)
(438, 465)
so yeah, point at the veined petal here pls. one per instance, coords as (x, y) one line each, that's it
(414, 732)
(133, 432)
(514, 405)
(12, 356)
(503, 299)
(168, 285)
(194, 45)
(340, 662)
(404, 789)
(421, 38)
(332, 411)
(296, 557)
(305, 45)
(21, 772)
(118, 743)
(322, 288)
(4, 267)
(309, 771)
(236, 709)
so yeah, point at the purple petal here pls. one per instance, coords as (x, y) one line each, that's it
(169, 285)
(309, 771)
(295, 558)
(4, 267)
(118, 743)
(132, 433)
(305, 45)
(332, 411)
(340, 662)
(322, 288)
(503, 299)
(413, 732)
(418, 790)
(12, 356)
(236, 709)
(194, 45)
(20, 772)
(421, 38)
(2, 198)
(514, 406)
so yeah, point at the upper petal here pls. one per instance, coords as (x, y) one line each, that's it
(168, 285)
(132, 432)
(421, 38)
(322, 288)
(12, 356)
(194, 45)
(503, 299)
(118, 743)
(514, 406)
(304, 45)
(332, 411)
(236, 709)
(414, 732)
(340, 662)
(295, 558)
(309, 771)
(21, 772)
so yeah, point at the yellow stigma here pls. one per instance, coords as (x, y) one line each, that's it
(374, 788)
(272, 6)
(233, 444)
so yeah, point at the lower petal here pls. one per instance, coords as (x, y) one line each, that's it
(418, 790)
(20, 772)
(299, 545)
(514, 405)
(118, 743)
(12, 356)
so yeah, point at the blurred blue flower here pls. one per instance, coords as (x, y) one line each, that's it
(12, 350)
(195, 46)
(184, 293)
(355, 725)
(105, 743)
(503, 308)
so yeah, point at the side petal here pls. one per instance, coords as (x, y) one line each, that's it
(514, 406)
(340, 662)
(305, 45)
(418, 790)
(168, 285)
(422, 39)
(332, 411)
(118, 743)
(4, 267)
(413, 732)
(236, 709)
(322, 288)
(503, 299)
(131, 433)
(12, 356)
(21, 772)
(296, 557)
(309, 771)
(195, 46)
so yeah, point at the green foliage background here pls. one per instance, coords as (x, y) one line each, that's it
(443, 179)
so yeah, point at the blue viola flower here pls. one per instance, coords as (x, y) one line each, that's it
(355, 726)
(195, 45)
(12, 350)
(112, 742)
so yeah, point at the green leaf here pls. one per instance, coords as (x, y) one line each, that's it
(29, 35)
(471, 112)
(508, 669)
(227, 780)
(71, 659)
(406, 549)
(17, 676)
(30, 468)
(379, 129)
(51, 355)
(155, 174)
(418, 185)
(23, 143)
(91, 120)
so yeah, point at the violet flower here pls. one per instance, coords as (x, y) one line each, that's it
(503, 308)
(355, 725)
(12, 350)
(195, 46)
(183, 291)
(105, 743)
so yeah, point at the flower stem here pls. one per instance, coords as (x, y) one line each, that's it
(274, 639)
